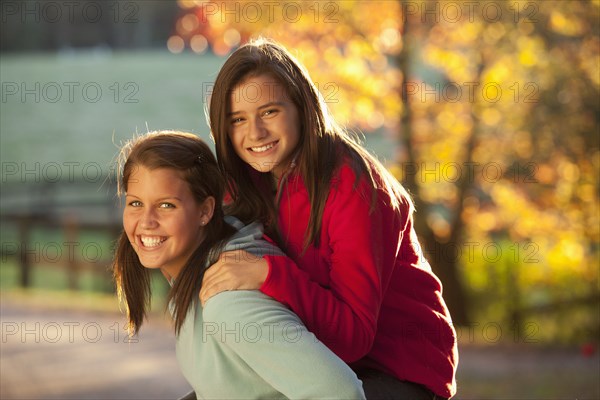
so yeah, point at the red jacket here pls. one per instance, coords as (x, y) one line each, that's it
(367, 292)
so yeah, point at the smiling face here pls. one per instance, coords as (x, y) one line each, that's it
(264, 127)
(163, 221)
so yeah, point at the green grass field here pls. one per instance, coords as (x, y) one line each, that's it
(75, 107)
(72, 109)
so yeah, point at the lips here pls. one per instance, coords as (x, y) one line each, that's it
(262, 149)
(152, 241)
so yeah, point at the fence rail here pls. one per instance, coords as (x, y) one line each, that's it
(72, 208)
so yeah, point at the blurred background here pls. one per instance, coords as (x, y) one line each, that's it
(487, 111)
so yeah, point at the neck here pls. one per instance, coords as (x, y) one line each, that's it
(167, 275)
(278, 173)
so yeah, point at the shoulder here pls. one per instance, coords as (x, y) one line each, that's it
(235, 302)
(356, 171)
(346, 178)
(243, 306)
(373, 185)
(249, 238)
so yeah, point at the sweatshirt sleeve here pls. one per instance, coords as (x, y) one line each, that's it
(362, 245)
(278, 347)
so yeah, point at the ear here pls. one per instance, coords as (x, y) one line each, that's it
(207, 209)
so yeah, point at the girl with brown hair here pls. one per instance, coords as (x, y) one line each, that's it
(241, 344)
(356, 275)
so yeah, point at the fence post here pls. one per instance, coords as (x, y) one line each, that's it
(71, 234)
(25, 264)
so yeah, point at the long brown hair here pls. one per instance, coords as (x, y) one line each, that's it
(322, 146)
(192, 159)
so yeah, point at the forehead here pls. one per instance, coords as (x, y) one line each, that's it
(166, 179)
(258, 89)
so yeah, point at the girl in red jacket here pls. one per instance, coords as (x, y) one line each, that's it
(358, 278)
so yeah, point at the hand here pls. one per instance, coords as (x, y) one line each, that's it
(234, 270)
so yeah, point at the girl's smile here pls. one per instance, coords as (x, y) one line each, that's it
(264, 150)
(151, 241)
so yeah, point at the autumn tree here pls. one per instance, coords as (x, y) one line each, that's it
(495, 107)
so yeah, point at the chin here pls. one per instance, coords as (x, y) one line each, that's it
(261, 169)
(150, 264)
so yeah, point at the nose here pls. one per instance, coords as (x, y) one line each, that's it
(256, 129)
(149, 219)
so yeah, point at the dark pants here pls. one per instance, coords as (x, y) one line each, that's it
(381, 386)
(190, 396)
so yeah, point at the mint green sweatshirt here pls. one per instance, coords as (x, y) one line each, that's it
(245, 345)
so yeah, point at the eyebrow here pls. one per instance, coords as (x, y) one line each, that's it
(168, 198)
(157, 200)
(267, 105)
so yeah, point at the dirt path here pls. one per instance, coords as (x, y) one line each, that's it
(527, 372)
(75, 355)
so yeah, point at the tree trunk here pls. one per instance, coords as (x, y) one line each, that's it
(440, 255)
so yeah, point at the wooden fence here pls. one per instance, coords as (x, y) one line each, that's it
(71, 209)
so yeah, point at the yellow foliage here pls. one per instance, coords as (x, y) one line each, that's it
(568, 26)
(517, 97)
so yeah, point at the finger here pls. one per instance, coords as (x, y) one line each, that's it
(213, 269)
(205, 289)
(203, 298)
(212, 275)
(214, 281)
(208, 276)
(206, 284)
(205, 294)
(211, 291)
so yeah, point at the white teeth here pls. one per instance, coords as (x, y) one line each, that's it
(151, 241)
(262, 148)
